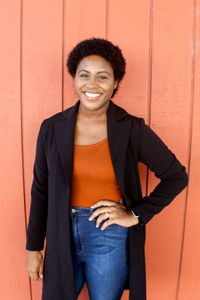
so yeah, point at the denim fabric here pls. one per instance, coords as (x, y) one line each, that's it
(99, 256)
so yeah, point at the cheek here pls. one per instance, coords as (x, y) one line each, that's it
(77, 85)
(110, 89)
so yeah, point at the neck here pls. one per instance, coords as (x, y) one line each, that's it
(88, 114)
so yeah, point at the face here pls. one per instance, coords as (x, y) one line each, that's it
(94, 82)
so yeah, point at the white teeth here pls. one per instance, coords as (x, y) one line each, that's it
(92, 95)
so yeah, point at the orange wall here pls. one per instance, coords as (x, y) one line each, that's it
(160, 40)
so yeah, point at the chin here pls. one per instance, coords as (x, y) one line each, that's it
(93, 104)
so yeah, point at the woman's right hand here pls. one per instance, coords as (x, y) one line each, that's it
(34, 264)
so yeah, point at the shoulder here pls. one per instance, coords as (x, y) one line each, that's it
(48, 123)
(136, 124)
(122, 114)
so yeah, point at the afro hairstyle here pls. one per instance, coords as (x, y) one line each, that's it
(101, 47)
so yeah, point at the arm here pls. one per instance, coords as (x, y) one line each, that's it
(155, 154)
(39, 198)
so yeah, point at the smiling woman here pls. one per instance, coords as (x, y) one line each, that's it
(86, 195)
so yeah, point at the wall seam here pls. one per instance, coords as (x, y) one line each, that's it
(107, 15)
(194, 48)
(22, 133)
(150, 76)
(63, 56)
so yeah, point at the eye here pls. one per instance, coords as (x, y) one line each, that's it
(102, 77)
(84, 75)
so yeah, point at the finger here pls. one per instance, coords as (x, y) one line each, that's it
(99, 211)
(102, 217)
(106, 224)
(41, 271)
(33, 275)
(103, 202)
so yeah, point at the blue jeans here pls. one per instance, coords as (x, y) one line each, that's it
(99, 256)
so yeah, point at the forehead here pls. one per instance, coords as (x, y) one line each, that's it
(93, 62)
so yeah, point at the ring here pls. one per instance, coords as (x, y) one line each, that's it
(106, 213)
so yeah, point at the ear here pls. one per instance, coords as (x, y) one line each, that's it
(115, 84)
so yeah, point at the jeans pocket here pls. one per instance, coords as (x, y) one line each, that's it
(112, 226)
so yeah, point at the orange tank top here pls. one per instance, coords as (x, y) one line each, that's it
(93, 175)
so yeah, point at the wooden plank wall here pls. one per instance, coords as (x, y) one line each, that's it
(160, 40)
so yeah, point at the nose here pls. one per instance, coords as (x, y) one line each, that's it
(91, 82)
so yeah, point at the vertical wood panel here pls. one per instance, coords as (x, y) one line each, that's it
(170, 105)
(14, 279)
(130, 31)
(42, 80)
(83, 19)
(190, 270)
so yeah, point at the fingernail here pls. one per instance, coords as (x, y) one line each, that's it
(90, 219)
(91, 206)
(41, 276)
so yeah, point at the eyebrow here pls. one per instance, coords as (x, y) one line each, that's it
(97, 72)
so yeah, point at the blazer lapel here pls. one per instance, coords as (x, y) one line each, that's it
(118, 136)
(64, 131)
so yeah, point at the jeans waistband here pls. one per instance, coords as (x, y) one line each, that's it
(79, 210)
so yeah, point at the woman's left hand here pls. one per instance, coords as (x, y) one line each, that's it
(118, 214)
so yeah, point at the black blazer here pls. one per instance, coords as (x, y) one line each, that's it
(130, 141)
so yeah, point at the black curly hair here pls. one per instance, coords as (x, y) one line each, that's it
(101, 47)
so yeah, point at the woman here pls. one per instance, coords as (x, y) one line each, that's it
(86, 193)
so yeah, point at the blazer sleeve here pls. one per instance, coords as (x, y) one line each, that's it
(163, 162)
(39, 198)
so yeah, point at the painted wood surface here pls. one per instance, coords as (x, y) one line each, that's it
(160, 41)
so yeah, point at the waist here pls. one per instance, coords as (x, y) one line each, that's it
(80, 210)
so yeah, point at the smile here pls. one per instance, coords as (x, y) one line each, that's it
(92, 95)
